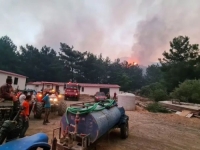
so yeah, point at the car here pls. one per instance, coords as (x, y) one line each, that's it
(100, 96)
(72, 91)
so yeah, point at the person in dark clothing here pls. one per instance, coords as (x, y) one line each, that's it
(108, 95)
(25, 116)
(115, 96)
(6, 91)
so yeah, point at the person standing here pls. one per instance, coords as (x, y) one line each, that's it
(32, 101)
(25, 116)
(115, 96)
(22, 97)
(6, 90)
(47, 108)
(108, 95)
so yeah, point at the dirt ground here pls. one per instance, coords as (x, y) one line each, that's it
(148, 131)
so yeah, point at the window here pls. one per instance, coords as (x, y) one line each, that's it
(48, 86)
(15, 81)
(36, 85)
(9, 77)
(82, 89)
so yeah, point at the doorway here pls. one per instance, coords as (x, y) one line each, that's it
(105, 90)
(57, 88)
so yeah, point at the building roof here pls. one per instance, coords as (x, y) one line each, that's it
(81, 84)
(44, 82)
(12, 74)
(99, 85)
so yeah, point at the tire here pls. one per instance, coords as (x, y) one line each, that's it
(124, 129)
(62, 108)
(77, 98)
(66, 98)
(38, 110)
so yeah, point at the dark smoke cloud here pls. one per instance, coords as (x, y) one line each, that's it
(167, 20)
(140, 29)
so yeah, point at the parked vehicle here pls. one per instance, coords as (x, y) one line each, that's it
(33, 142)
(10, 127)
(85, 123)
(56, 100)
(72, 91)
(100, 96)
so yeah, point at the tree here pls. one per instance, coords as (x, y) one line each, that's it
(153, 74)
(46, 65)
(72, 61)
(9, 56)
(30, 62)
(179, 63)
(91, 69)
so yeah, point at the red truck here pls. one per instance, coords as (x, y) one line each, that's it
(72, 91)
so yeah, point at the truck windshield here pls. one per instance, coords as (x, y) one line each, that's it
(100, 94)
(71, 87)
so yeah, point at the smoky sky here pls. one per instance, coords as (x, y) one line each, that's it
(137, 29)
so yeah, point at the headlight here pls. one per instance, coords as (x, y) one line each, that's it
(55, 99)
(59, 96)
(51, 99)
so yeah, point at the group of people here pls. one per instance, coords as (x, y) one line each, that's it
(26, 101)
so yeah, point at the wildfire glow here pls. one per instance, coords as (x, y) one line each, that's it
(132, 62)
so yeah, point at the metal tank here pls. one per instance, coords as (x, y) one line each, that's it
(96, 123)
(127, 101)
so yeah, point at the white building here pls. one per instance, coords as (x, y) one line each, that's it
(19, 81)
(85, 88)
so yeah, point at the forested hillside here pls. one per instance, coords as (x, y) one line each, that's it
(180, 63)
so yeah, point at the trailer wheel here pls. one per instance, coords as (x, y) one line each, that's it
(77, 98)
(38, 110)
(62, 108)
(124, 129)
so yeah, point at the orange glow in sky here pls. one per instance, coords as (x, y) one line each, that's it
(130, 61)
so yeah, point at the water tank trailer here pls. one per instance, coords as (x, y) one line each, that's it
(84, 123)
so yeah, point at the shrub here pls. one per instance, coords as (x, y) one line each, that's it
(156, 107)
(188, 91)
(155, 91)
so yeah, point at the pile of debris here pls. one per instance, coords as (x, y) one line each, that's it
(181, 108)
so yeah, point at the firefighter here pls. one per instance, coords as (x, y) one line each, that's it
(6, 90)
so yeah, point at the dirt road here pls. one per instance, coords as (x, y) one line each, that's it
(148, 131)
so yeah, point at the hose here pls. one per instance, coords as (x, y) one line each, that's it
(90, 108)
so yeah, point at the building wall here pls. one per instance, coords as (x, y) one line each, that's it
(21, 81)
(113, 90)
(93, 90)
(89, 90)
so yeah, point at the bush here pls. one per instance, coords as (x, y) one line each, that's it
(156, 107)
(155, 91)
(188, 91)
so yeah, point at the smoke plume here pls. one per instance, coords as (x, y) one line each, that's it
(140, 29)
(165, 20)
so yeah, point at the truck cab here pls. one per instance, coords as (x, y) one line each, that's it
(72, 91)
